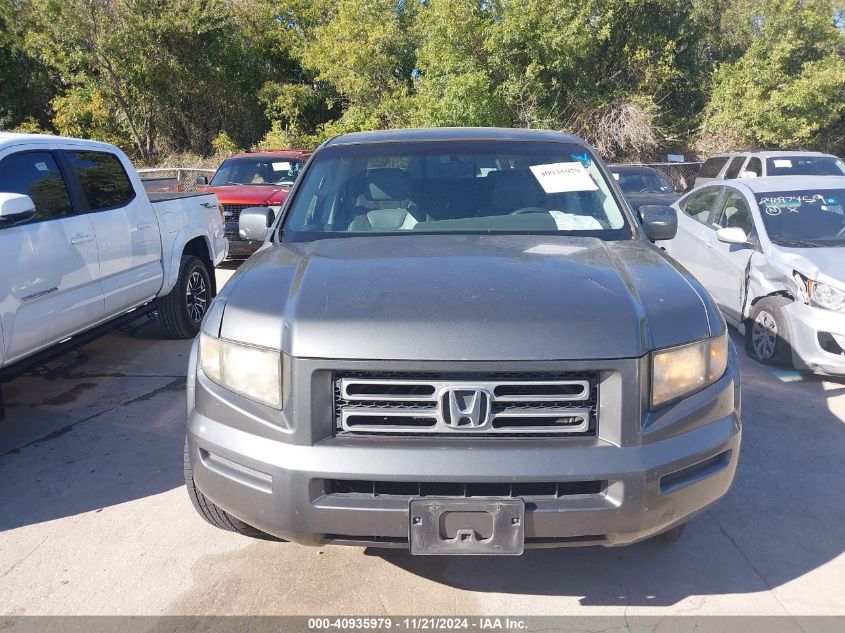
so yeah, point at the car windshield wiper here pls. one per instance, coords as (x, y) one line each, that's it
(796, 243)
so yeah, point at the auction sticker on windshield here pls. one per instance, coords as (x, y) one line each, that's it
(563, 177)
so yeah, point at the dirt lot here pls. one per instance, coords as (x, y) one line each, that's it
(95, 519)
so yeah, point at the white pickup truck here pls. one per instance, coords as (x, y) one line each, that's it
(83, 248)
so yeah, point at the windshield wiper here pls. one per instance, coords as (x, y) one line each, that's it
(796, 243)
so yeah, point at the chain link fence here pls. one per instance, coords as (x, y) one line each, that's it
(682, 174)
(169, 179)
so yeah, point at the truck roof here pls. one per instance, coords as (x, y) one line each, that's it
(15, 138)
(412, 135)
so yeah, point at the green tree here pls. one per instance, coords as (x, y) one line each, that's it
(170, 74)
(455, 85)
(788, 86)
(26, 84)
(366, 51)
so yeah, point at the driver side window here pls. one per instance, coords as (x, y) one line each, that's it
(36, 174)
(734, 212)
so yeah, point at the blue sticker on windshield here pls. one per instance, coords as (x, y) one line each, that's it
(584, 159)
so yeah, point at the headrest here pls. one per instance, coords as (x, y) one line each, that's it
(515, 189)
(390, 219)
(388, 183)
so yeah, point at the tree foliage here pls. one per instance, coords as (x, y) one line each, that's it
(788, 85)
(635, 77)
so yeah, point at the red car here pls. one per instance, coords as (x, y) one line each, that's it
(253, 179)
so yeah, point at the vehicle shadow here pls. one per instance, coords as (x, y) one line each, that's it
(107, 432)
(782, 518)
(231, 264)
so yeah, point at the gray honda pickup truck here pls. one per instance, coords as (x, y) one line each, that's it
(460, 341)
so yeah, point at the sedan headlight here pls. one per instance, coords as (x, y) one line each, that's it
(820, 295)
(680, 371)
(253, 372)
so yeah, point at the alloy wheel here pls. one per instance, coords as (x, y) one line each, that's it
(764, 335)
(196, 296)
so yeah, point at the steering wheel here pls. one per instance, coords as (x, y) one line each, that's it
(529, 210)
(650, 190)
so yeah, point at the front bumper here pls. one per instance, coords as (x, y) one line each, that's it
(239, 248)
(221, 249)
(681, 464)
(817, 338)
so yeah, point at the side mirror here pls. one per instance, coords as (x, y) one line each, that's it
(732, 235)
(748, 174)
(659, 222)
(202, 181)
(679, 188)
(254, 222)
(15, 207)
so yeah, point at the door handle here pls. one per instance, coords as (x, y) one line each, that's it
(81, 238)
(142, 226)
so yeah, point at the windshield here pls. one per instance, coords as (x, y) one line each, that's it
(454, 187)
(804, 218)
(643, 183)
(257, 171)
(805, 166)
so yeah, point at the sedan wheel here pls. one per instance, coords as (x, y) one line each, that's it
(767, 331)
(764, 335)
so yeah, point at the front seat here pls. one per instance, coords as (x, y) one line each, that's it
(514, 190)
(385, 204)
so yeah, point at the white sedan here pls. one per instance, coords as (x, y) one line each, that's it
(771, 251)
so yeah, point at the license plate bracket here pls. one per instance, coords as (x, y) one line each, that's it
(472, 526)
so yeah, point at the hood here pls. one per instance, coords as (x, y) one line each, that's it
(821, 264)
(250, 194)
(636, 200)
(465, 297)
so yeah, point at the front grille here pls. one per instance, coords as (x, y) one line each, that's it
(533, 489)
(231, 215)
(232, 212)
(466, 404)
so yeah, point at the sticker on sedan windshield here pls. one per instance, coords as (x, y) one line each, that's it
(563, 177)
(782, 162)
(775, 205)
(832, 205)
(281, 166)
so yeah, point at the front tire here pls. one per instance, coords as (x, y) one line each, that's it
(182, 309)
(212, 513)
(767, 333)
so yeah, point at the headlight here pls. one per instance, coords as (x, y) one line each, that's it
(820, 295)
(253, 372)
(680, 371)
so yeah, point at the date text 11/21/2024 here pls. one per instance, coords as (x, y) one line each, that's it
(419, 623)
